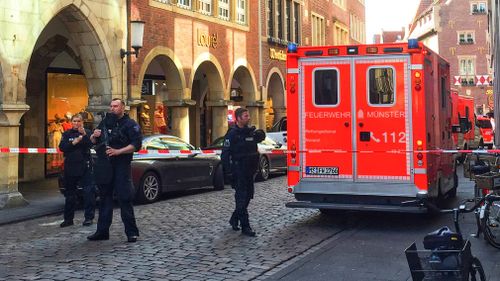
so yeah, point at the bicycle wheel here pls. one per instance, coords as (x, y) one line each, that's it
(491, 224)
(477, 270)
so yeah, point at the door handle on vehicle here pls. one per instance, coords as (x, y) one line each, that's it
(361, 124)
(346, 124)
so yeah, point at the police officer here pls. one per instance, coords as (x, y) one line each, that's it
(121, 137)
(240, 158)
(75, 144)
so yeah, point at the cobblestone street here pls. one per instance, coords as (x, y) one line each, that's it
(182, 238)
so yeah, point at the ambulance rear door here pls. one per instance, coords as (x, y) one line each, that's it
(382, 107)
(354, 123)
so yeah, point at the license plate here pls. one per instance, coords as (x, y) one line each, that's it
(328, 171)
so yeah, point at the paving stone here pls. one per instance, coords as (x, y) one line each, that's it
(182, 238)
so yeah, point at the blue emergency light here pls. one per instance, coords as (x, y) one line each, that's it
(413, 44)
(292, 48)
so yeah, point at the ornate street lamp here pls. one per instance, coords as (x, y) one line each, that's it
(137, 34)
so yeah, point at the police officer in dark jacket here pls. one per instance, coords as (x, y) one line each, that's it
(240, 158)
(116, 139)
(76, 144)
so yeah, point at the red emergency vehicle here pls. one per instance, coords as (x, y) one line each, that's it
(475, 131)
(360, 121)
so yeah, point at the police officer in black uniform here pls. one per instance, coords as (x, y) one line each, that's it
(240, 158)
(117, 137)
(76, 144)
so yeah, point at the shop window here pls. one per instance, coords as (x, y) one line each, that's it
(381, 86)
(326, 87)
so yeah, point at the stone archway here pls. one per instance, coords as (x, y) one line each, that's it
(208, 117)
(243, 91)
(68, 40)
(276, 95)
(162, 67)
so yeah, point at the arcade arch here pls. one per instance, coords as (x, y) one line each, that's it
(68, 72)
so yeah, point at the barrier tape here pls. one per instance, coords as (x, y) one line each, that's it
(23, 150)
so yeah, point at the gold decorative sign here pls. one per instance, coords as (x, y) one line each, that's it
(207, 40)
(277, 54)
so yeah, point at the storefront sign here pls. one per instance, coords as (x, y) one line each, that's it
(207, 40)
(277, 54)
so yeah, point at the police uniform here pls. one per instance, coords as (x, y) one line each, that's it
(77, 169)
(119, 133)
(240, 157)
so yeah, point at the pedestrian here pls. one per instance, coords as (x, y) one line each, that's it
(76, 144)
(116, 138)
(240, 158)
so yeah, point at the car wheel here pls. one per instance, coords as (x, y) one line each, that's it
(219, 178)
(264, 168)
(149, 189)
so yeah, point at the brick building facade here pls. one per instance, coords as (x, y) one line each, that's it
(305, 23)
(457, 30)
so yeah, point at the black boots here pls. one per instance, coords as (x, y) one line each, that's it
(66, 223)
(234, 223)
(98, 236)
(248, 232)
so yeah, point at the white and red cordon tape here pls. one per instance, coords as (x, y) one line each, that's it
(23, 150)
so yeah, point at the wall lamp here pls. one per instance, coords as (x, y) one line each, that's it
(137, 33)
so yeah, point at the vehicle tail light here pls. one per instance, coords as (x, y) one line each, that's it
(420, 145)
(293, 153)
(290, 190)
(420, 156)
(292, 85)
(418, 81)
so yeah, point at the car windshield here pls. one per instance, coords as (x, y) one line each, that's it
(218, 142)
(155, 144)
(485, 124)
(176, 144)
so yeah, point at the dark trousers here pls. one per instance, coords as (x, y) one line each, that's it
(244, 191)
(122, 186)
(71, 198)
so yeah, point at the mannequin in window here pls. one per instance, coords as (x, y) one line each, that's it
(160, 124)
(145, 120)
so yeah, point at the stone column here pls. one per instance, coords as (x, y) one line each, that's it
(180, 117)
(219, 117)
(10, 115)
(256, 110)
(279, 112)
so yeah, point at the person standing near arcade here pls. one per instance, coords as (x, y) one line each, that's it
(75, 144)
(116, 139)
(240, 158)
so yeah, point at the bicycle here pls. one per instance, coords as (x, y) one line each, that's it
(447, 256)
(488, 210)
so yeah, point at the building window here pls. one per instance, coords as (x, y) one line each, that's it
(205, 7)
(381, 86)
(296, 22)
(283, 21)
(279, 19)
(326, 87)
(340, 34)
(466, 37)
(288, 18)
(186, 4)
(357, 28)
(241, 11)
(340, 3)
(224, 9)
(270, 18)
(318, 30)
(467, 70)
(478, 7)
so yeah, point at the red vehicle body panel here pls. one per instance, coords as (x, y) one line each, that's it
(363, 144)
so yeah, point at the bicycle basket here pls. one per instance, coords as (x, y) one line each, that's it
(489, 180)
(439, 265)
